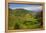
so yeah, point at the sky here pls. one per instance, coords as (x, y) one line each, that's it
(26, 6)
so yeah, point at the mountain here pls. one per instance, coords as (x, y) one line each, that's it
(20, 12)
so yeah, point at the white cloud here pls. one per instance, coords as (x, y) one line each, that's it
(33, 8)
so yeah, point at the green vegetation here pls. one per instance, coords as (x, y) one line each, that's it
(24, 19)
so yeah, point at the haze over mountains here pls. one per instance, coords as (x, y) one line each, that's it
(27, 9)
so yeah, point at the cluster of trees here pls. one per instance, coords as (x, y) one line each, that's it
(24, 19)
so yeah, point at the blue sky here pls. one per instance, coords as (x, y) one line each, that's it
(26, 6)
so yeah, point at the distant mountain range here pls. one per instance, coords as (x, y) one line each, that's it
(22, 11)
